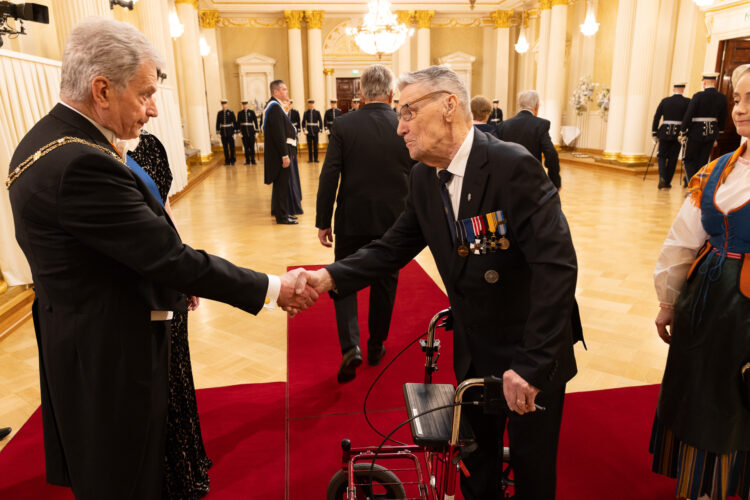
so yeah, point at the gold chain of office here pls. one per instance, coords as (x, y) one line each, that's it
(44, 150)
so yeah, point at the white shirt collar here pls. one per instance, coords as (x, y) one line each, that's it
(458, 163)
(108, 134)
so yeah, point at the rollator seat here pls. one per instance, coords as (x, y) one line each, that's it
(432, 430)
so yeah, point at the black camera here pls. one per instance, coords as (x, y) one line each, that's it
(22, 12)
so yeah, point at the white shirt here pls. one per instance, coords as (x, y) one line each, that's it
(457, 167)
(687, 234)
(274, 282)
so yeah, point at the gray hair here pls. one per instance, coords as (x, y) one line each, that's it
(376, 82)
(528, 99)
(103, 47)
(439, 78)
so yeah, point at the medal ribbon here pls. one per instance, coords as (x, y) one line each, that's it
(469, 228)
(501, 222)
(491, 222)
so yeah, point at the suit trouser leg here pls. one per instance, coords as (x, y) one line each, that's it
(232, 158)
(280, 195)
(672, 158)
(315, 148)
(246, 147)
(251, 146)
(696, 156)
(225, 147)
(382, 299)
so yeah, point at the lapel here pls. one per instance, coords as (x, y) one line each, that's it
(88, 131)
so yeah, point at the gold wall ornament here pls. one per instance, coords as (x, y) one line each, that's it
(405, 17)
(208, 18)
(545, 4)
(314, 19)
(424, 18)
(294, 19)
(328, 71)
(194, 3)
(245, 22)
(560, 2)
(501, 18)
(631, 159)
(453, 22)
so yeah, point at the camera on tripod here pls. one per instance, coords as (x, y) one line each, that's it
(21, 12)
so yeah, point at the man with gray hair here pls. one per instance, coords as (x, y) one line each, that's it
(493, 222)
(109, 269)
(532, 132)
(371, 160)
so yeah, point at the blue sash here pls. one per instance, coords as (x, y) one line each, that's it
(265, 112)
(150, 184)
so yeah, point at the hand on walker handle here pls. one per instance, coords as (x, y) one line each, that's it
(519, 394)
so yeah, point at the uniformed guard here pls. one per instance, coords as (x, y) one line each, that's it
(395, 105)
(331, 114)
(313, 124)
(671, 110)
(496, 116)
(226, 126)
(355, 104)
(248, 122)
(704, 119)
(294, 116)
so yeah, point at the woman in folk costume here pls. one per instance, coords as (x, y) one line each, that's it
(701, 433)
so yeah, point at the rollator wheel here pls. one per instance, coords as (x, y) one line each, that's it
(380, 484)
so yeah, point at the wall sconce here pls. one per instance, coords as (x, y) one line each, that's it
(128, 4)
(589, 26)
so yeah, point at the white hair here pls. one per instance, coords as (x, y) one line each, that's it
(528, 99)
(103, 47)
(376, 82)
(439, 78)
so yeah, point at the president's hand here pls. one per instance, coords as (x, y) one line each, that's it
(326, 237)
(320, 280)
(285, 161)
(519, 394)
(296, 294)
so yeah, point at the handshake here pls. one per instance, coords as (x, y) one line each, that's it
(300, 289)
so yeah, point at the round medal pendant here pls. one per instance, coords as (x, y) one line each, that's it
(463, 251)
(504, 243)
(491, 276)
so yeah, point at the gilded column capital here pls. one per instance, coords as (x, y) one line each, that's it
(501, 18)
(532, 14)
(194, 3)
(545, 4)
(328, 71)
(424, 18)
(208, 18)
(293, 19)
(314, 19)
(405, 17)
(560, 2)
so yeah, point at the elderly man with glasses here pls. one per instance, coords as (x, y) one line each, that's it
(492, 220)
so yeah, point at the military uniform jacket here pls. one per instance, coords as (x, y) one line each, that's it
(312, 123)
(104, 254)
(528, 319)
(330, 115)
(671, 109)
(496, 117)
(294, 118)
(226, 124)
(279, 140)
(709, 103)
(248, 122)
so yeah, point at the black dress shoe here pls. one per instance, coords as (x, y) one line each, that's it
(226, 163)
(286, 220)
(253, 162)
(375, 354)
(662, 183)
(348, 369)
(247, 163)
(6, 430)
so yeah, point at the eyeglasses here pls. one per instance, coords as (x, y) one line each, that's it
(406, 113)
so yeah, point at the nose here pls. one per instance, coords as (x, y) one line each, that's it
(403, 127)
(151, 110)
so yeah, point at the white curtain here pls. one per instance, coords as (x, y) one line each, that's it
(168, 128)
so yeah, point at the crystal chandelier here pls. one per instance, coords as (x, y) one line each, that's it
(589, 26)
(380, 33)
(522, 45)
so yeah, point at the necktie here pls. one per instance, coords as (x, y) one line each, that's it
(444, 176)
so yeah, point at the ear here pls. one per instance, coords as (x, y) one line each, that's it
(101, 91)
(449, 108)
(390, 97)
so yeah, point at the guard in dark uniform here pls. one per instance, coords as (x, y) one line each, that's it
(248, 123)
(395, 105)
(294, 117)
(226, 125)
(313, 124)
(355, 104)
(671, 110)
(331, 114)
(496, 116)
(704, 119)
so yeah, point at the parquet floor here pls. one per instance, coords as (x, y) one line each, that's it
(618, 223)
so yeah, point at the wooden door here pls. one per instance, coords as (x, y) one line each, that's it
(346, 90)
(732, 53)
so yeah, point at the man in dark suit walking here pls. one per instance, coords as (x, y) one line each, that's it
(510, 274)
(279, 148)
(532, 132)
(109, 270)
(313, 124)
(371, 160)
(226, 125)
(248, 124)
(672, 109)
(704, 119)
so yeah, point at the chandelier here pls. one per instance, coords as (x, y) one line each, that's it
(589, 26)
(522, 45)
(380, 33)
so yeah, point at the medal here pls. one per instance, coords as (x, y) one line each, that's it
(504, 243)
(468, 228)
(491, 276)
(502, 229)
(463, 250)
(477, 224)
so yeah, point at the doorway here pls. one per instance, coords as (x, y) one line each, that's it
(346, 90)
(732, 53)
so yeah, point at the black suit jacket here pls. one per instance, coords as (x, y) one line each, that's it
(709, 103)
(672, 109)
(103, 254)
(373, 163)
(276, 130)
(532, 132)
(528, 319)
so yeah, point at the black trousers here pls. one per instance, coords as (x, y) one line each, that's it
(280, 195)
(533, 440)
(227, 142)
(697, 154)
(312, 147)
(248, 144)
(668, 154)
(382, 298)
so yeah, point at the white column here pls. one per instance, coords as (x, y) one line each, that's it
(526, 61)
(403, 55)
(639, 80)
(684, 44)
(488, 61)
(316, 78)
(618, 93)
(211, 73)
(501, 22)
(70, 12)
(543, 55)
(555, 85)
(330, 87)
(424, 18)
(196, 114)
(296, 82)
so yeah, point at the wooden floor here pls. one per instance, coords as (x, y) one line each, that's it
(618, 222)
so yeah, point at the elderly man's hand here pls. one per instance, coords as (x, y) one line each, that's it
(519, 394)
(320, 280)
(664, 323)
(295, 294)
(326, 237)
